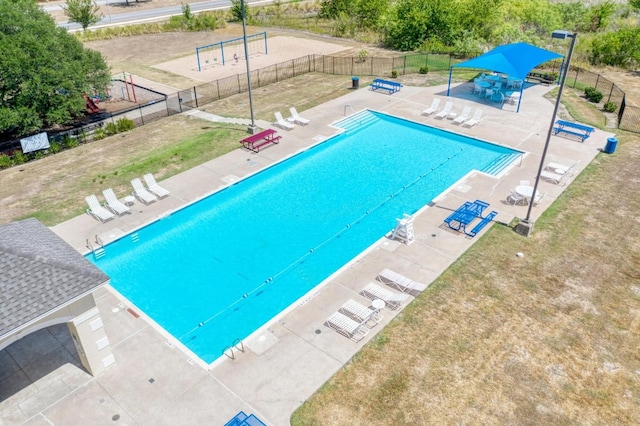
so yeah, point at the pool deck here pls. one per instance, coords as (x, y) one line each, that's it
(155, 382)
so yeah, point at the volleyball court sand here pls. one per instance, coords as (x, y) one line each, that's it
(280, 48)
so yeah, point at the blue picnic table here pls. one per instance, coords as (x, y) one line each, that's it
(466, 214)
(574, 129)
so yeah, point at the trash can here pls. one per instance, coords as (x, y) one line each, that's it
(611, 145)
(355, 82)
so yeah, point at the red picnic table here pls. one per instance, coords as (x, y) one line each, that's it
(265, 137)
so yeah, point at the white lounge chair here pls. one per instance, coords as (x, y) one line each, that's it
(556, 178)
(435, 104)
(282, 123)
(392, 300)
(113, 204)
(477, 116)
(537, 200)
(464, 116)
(141, 193)
(295, 117)
(561, 169)
(445, 111)
(400, 282)
(346, 326)
(154, 187)
(96, 210)
(360, 313)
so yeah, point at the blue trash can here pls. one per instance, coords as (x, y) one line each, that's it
(355, 82)
(611, 145)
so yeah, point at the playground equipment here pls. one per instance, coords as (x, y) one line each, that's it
(218, 52)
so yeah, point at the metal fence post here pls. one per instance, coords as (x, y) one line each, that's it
(597, 80)
(195, 96)
(575, 81)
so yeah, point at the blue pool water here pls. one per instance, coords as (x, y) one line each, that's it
(217, 270)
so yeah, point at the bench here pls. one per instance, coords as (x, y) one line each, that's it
(485, 220)
(255, 142)
(465, 214)
(389, 86)
(574, 129)
(541, 77)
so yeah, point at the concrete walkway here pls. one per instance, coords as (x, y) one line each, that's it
(155, 382)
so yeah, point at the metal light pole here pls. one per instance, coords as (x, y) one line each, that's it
(252, 127)
(526, 226)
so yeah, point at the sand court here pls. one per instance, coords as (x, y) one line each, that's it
(280, 49)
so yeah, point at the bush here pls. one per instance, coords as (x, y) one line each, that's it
(5, 161)
(394, 74)
(39, 154)
(110, 129)
(610, 107)
(19, 157)
(55, 147)
(99, 133)
(593, 94)
(125, 124)
(423, 70)
(69, 142)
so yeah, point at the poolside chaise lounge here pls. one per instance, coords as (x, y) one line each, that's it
(433, 108)
(295, 117)
(360, 313)
(477, 116)
(464, 116)
(153, 186)
(282, 123)
(346, 326)
(113, 204)
(392, 300)
(141, 193)
(400, 282)
(445, 111)
(96, 210)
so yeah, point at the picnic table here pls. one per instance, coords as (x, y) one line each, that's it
(389, 86)
(573, 129)
(466, 214)
(257, 141)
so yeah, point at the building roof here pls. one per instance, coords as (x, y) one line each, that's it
(39, 272)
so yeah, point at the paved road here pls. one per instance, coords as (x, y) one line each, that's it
(145, 15)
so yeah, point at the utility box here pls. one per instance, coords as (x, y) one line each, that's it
(611, 145)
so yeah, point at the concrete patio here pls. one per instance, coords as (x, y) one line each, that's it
(155, 382)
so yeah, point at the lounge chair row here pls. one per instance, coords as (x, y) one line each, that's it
(114, 207)
(290, 123)
(464, 118)
(354, 320)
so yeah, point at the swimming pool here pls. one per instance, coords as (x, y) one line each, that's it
(219, 269)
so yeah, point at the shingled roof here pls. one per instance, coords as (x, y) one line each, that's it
(39, 272)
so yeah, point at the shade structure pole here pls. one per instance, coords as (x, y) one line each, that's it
(252, 127)
(449, 86)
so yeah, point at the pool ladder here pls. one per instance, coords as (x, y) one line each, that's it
(237, 344)
(98, 251)
(347, 108)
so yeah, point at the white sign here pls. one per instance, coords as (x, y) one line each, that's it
(35, 142)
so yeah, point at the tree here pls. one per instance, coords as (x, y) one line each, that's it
(44, 70)
(84, 12)
(635, 3)
(236, 10)
(619, 48)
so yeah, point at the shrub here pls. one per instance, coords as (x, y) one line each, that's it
(99, 133)
(110, 129)
(125, 124)
(55, 147)
(394, 74)
(593, 94)
(5, 161)
(610, 107)
(362, 56)
(423, 70)
(19, 157)
(39, 154)
(69, 142)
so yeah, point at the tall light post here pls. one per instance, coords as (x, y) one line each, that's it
(526, 226)
(252, 127)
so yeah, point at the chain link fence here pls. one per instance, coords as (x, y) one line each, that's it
(162, 106)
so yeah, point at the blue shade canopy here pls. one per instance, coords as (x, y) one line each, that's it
(515, 59)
